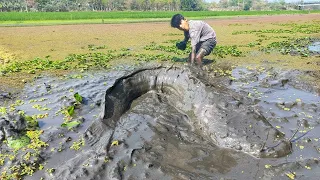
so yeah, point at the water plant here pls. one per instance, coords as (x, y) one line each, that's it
(76, 145)
(19, 142)
(223, 51)
(294, 46)
(69, 111)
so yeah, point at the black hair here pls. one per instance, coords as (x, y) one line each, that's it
(176, 20)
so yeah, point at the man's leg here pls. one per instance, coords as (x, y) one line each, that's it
(189, 59)
(204, 49)
(199, 57)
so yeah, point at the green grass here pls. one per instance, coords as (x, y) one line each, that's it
(78, 21)
(70, 16)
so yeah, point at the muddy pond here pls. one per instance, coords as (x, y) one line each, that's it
(169, 121)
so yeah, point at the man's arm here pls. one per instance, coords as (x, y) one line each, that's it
(183, 44)
(186, 37)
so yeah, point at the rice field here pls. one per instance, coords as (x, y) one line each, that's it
(118, 15)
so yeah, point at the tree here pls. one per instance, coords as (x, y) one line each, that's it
(223, 3)
(190, 5)
(40, 4)
(259, 5)
(247, 5)
(134, 5)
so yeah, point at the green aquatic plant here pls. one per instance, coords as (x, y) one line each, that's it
(76, 145)
(36, 143)
(50, 170)
(3, 110)
(223, 51)
(294, 46)
(93, 47)
(40, 108)
(220, 51)
(70, 124)
(19, 142)
(293, 28)
(27, 169)
(78, 97)
(171, 49)
(153, 57)
(32, 123)
(70, 110)
(274, 31)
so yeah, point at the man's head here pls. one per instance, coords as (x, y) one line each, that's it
(178, 21)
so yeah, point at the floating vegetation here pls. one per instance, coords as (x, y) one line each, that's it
(115, 143)
(80, 61)
(289, 45)
(153, 57)
(294, 28)
(297, 46)
(76, 145)
(18, 143)
(219, 51)
(29, 144)
(69, 112)
(71, 124)
(223, 51)
(78, 97)
(3, 110)
(172, 48)
(92, 47)
(32, 123)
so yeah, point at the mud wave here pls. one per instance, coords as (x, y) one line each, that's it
(161, 115)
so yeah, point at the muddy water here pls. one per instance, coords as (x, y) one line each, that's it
(285, 103)
(172, 122)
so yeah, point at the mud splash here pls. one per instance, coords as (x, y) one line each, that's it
(214, 111)
(172, 122)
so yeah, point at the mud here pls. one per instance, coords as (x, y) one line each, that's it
(178, 122)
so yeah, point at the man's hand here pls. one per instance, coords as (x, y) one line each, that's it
(181, 45)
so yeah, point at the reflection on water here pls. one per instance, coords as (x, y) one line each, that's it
(315, 47)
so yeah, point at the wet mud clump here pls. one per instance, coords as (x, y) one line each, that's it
(166, 122)
(163, 122)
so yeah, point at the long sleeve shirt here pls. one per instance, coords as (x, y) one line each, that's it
(199, 31)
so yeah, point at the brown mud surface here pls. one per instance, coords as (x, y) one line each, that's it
(254, 117)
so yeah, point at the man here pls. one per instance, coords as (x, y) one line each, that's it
(203, 37)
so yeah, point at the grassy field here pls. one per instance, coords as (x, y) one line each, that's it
(43, 18)
(26, 52)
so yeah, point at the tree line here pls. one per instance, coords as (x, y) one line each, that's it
(101, 5)
(138, 5)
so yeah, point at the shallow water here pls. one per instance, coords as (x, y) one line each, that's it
(295, 112)
(315, 47)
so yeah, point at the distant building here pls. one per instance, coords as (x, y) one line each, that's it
(309, 5)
